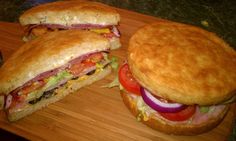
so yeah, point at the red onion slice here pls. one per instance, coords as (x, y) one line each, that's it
(116, 31)
(158, 105)
(8, 101)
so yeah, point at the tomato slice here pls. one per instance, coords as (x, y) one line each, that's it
(76, 69)
(33, 86)
(181, 115)
(96, 57)
(108, 35)
(19, 96)
(90, 61)
(127, 80)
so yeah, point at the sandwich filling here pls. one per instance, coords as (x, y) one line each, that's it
(150, 106)
(45, 84)
(35, 30)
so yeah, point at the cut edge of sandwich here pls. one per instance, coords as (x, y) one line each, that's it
(70, 87)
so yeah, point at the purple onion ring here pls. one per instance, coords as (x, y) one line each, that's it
(159, 105)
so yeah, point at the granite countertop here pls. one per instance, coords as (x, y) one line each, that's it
(218, 16)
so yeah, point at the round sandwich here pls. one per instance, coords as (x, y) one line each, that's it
(46, 69)
(65, 15)
(178, 79)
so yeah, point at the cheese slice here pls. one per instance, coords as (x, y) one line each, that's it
(102, 30)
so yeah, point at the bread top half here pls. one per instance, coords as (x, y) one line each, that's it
(70, 12)
(183, 63)
(46, 53)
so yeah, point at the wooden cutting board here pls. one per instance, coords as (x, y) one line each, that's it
(93, 113)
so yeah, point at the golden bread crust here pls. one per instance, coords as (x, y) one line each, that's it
(46, 53)
(183, 63)
(163, 126)
(70, 12)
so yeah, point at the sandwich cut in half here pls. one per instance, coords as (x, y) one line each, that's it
(71, 15)
(46, 69)
(178, 79)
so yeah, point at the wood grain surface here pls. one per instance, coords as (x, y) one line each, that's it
(93, 112)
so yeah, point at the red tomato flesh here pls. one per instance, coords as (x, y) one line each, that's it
(181, 115)
(96, 57)
(90, 61)
(76, 69)
(20, 96)
(108, 35)
(128, 81)
(33, 86)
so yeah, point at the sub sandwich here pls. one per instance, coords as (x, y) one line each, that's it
(71, 15)
(50, 67)
(178, 79)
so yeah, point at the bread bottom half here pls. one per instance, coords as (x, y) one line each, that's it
(170, 128)
(69, 87)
